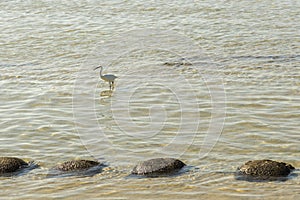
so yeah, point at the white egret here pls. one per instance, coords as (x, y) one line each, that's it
(110, 78)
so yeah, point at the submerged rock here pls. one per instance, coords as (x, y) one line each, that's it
(158, 166)
(75, 165)
(264, 170)
(11, 164)
(76, 168)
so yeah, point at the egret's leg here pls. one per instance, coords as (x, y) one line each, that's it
(113, 84)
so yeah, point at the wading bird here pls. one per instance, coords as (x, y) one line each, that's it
(110, 78)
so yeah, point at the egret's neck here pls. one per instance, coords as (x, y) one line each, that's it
(101, 68)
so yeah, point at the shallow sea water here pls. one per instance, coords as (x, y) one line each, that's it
(213, 83)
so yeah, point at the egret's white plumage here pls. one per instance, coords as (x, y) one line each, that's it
(110, 78)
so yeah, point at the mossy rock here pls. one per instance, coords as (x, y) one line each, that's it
(77, 165)
(267, 170)
(13, 166)
(81, 168)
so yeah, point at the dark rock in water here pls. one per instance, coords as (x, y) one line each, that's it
(74, 165)
(158, 166)
(11, 164)
(15, 166)
(264, 170)
(76, 168)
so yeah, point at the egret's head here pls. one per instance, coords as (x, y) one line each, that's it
(97, 67)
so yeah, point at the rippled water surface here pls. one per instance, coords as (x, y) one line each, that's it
(213, 83)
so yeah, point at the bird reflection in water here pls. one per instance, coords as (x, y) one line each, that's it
(106, 93)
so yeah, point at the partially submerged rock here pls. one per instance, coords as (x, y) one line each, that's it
(158, 166)
(76, 165)
(11, 164)
(267, 170)
(76, 168)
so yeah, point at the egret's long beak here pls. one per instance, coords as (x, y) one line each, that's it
(97, 67)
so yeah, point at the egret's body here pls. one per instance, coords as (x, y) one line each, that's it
(110, 78)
